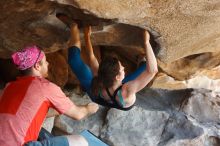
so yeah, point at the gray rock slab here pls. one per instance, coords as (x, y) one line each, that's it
(204, 106)
(137, 127)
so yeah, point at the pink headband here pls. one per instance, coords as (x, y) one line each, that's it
(27, 57)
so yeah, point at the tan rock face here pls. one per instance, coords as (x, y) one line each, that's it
(187, 27)
(35, 22)
(28, 22)
(183, 25)
(186, 67)
(58, 68)
(206, 79)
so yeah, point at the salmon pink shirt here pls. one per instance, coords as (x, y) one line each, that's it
(23, 107)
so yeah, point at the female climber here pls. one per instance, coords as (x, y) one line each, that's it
(106, 83)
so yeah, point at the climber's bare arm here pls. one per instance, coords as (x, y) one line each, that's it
(93, 62)
(146, 76)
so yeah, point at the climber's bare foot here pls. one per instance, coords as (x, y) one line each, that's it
(74, 36)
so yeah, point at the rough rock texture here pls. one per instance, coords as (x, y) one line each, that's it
(184, 25)
(35, 22)
(185, 68)
(203, 79)
(159, 118)
(134, 127)
(204, 106)
(58, 68)
(28, 22)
